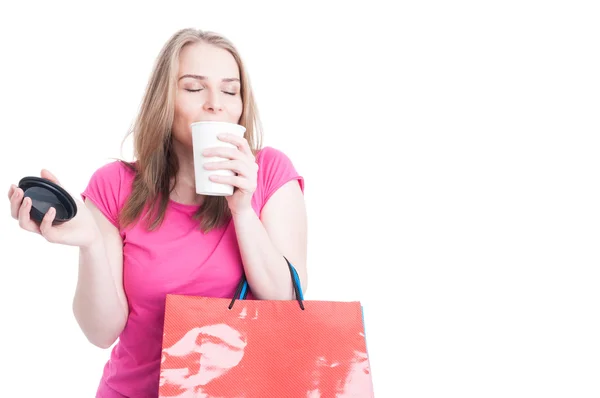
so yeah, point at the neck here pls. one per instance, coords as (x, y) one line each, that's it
(185, 188)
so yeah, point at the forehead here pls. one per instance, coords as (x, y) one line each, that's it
(207, 60)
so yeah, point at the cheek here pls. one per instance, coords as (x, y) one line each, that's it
(183, 113)
(235, 109)
(181, 122)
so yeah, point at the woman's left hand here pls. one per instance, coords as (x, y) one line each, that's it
(241, 161)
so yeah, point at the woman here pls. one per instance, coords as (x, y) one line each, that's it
(143, 231)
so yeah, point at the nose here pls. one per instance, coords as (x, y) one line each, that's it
(213, 103)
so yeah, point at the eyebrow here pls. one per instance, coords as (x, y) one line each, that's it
(199, 77)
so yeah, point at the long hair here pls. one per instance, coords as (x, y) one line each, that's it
(156, 164)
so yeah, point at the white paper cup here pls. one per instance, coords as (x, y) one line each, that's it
(204, 135)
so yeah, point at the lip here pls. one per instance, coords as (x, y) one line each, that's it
(211, 122)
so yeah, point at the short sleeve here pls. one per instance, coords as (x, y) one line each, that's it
(275, 169)
(104, 190)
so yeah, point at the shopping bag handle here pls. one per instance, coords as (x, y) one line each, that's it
(242, 290)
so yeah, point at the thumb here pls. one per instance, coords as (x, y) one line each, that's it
(49, 176)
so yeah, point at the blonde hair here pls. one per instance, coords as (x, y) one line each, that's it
(156, 164)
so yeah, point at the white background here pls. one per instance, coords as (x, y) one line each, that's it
(451, 157)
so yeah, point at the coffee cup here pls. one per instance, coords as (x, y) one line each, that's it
(204, 135)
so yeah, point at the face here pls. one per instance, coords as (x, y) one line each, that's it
(208, 89)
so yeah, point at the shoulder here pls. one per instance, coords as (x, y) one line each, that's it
(114, 175)
(275, 169)
(115, 170)
(268, 154)
(109, 187)
(270, 159)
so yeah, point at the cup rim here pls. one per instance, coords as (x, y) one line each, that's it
(239, 126)
(216, 122)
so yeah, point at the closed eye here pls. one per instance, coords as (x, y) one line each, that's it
(195, 91)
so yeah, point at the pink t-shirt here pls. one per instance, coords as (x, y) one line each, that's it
(176, 258)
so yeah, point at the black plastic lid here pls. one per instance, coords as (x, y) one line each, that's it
(45, 194)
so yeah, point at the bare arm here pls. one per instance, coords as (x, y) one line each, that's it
(100, 305)
(280, 231)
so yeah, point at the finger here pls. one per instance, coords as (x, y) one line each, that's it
(223, 152)
(25, 221)
(15, 202)
(11, 191)
(46, 224)
(49, 176)
(238, 166)
(240, 142)
(242, 183)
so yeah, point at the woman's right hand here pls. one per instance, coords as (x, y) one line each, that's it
(80, 231)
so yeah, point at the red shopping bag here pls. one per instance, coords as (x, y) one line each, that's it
(225, 348)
